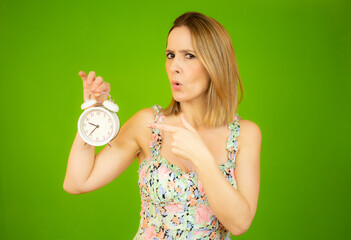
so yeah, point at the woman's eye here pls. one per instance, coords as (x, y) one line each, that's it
(190, 56)
(169, 55)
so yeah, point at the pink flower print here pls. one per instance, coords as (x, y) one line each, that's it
(203, 233)
(142, 208)
(154, 137)
(163, 172)
(174, 208)
(203, 214)
(149, 233)
(199, 186)
(142, 174)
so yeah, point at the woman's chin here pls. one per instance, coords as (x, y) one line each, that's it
(177, 98)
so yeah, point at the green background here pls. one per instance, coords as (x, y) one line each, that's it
(294, 60)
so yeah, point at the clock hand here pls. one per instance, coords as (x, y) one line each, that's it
(93, 130)
(94, 124)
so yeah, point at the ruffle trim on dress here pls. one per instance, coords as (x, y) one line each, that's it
(156, 142)
(232, 143)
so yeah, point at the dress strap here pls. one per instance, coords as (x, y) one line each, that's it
(156, 142)
(232, 143)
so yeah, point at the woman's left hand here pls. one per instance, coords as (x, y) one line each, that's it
(186, 142)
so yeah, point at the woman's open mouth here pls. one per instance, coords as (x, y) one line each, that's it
(176, 85)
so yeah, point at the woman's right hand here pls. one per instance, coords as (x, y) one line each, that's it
(91, 83)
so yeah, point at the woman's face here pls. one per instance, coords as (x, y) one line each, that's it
(188, 77)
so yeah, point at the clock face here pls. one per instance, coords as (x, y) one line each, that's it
(97, 125)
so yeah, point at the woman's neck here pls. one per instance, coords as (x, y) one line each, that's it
(193, 113)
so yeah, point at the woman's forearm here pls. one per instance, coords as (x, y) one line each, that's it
(80, 164)
(229, 206)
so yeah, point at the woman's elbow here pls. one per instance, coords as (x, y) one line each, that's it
(237, 231)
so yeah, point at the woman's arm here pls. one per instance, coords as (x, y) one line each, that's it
(235, 208)
(87, 172)
(80, 163)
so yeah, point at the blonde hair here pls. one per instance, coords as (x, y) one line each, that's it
(215, 51)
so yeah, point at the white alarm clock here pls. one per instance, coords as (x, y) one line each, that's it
(100, 124)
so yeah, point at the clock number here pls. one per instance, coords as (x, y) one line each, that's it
(98, 113)
(92, 114)
(87, 119)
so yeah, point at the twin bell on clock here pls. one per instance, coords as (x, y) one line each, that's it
(99, 124)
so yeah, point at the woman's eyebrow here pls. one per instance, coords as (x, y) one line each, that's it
(182, 51)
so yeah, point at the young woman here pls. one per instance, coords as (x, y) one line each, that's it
(198, 177)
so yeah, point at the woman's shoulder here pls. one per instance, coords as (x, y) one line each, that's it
(140, 121)
(146, 115)
(248, 130)
(248, 124)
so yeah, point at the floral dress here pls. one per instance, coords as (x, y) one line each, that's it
(173, 202)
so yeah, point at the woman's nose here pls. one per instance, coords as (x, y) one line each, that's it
(176, 65)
